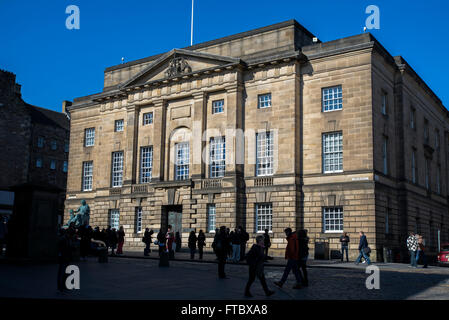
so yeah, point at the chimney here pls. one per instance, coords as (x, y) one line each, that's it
(65, 104)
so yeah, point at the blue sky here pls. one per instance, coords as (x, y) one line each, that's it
(53, 63)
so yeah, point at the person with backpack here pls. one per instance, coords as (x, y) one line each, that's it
(255, 259)
(292, 256)
(303, 241)
(201, 243)
(147, 240)
(221, 247)
(364, 249)
(192, 244)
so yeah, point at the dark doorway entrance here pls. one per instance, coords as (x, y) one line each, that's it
(172, 215)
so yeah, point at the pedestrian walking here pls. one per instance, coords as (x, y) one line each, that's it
(245, 239)
(412, 246)
(363, 249)
(192, 244)
(266, 243)
(161, 242)
(147, 240)
(303, 241)
(113, 240)
(421, 254)
(221, 248)
(236, 239)
(255, 259)
(292, 257)
(344, 240)
(121, 240)
(201, 243)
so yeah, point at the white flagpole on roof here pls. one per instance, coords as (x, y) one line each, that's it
(191, 27)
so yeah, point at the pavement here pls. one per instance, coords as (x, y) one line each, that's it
(135, 277)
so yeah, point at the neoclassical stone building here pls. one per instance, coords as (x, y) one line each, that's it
(268, 128)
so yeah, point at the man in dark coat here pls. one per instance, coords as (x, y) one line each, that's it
(292, 256)
(221, 247)
(147, 240)
(266, 243)
(363, 245)
(255, 259)
(201, 243)
(245, 239)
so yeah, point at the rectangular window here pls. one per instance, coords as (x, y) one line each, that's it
(119, 125)
(182, 161)
(87, 175)
(332, 219)
(66, 147)
(427, 168)
(65, 166)
(426, 131)
(40, 142)
(332, 152)
(146, 164)
(332, 98)
(147, 118)
(218, 106)
(54, 145)
(39, 163)
(117, 169)
(217, 155)
(414, 167)
(89, 137)
(264, 101)
(384, 103)
(385, 155)
(412, 118)
(138, 219)
(438, 180)
(211, 218)
(114, 218)
(264, 154)
(264, 217)
(53, 164)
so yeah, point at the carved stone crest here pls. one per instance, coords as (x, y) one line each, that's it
(177, 66)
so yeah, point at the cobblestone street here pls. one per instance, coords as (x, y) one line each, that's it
(142, 279)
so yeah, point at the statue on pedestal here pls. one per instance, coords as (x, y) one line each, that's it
(81, 216)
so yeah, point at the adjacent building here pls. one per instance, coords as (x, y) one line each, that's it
(33, 170)
(267, 129)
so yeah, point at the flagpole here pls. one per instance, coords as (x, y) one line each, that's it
(191, 27)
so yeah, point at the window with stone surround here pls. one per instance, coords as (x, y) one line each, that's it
(147, 118)
(146, 164)
(385, 155)
(412, 118)
(66, 146)
(264, 101)
(87, 175)
(332, 98)
(384, 103)
(332, 219)
(40, 142)
(264, 217)
(54, 145)
(52, 164)
(218, 106)
(427, 173)
(211, 218)
(119, 125)
(138, 226)
(264, 154)
(182, 161)
(65, 166)
(117, 169)
(114, 218)
(39, 163)
(217, 154)
(332, 152)
(414, 166)
(89, 137)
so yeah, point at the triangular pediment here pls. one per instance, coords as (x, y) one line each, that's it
(176, 63)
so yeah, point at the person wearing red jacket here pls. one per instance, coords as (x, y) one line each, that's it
(292, 256)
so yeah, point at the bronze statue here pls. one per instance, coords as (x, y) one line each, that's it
(82, 216)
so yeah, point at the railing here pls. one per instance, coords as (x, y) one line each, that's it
(211, 183)
(115, 191)
(263, 181)
(139, 188)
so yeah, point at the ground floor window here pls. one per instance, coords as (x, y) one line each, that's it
(264, 217)
(211, 218)
(114, 218)
(138, 219)
(332, 219)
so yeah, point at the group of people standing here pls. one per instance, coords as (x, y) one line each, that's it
(416, 248)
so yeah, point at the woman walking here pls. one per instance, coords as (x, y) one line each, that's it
(147, 240)
(192, 244)
(201, 243)
(121, 240)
